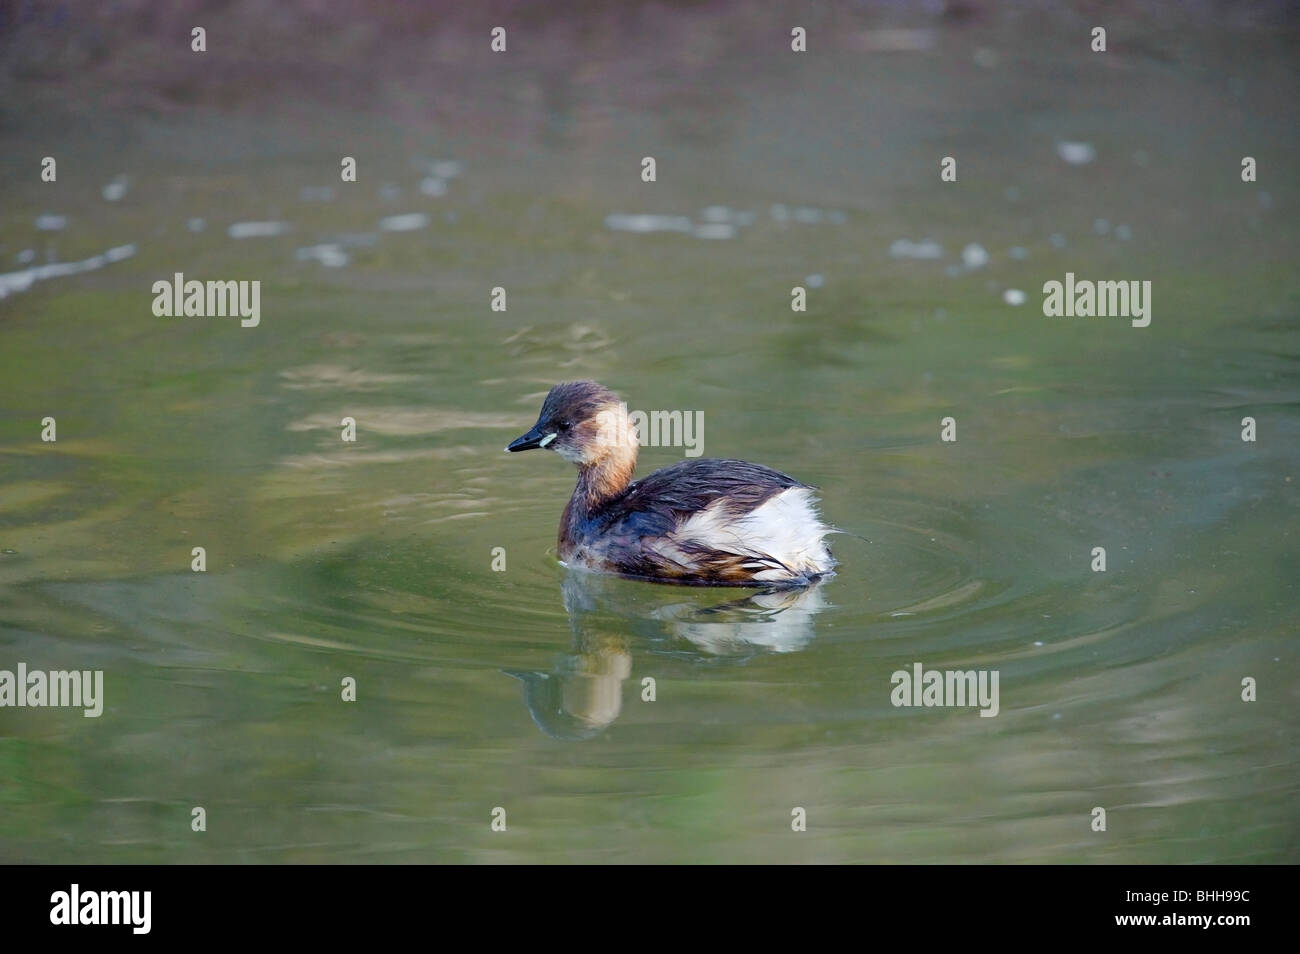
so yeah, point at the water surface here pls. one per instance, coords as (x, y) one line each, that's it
(524, 688)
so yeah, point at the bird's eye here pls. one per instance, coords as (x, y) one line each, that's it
(563, 426)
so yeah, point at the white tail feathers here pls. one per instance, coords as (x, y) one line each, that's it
(782, 536)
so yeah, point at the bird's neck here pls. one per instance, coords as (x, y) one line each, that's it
(602, 481)
(597, 485)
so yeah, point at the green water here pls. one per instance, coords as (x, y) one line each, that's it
(523, 689)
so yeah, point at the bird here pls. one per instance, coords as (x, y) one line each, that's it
(701, 521)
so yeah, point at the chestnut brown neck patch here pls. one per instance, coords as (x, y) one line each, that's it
(604, 479)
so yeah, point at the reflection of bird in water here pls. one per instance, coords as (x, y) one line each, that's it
(779, 621)
(583, 691)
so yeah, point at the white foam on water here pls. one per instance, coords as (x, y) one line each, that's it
(119, 253)
(329, 254)
(434, 186)
(447, 168)
(115, 191)
(13, 282)
(409, 222)
(621, 222)
(906, 248)
(243, 230)
(974, 256)
(1076, 153)
(714, 230)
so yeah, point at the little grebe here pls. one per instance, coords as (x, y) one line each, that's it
(700, 521)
